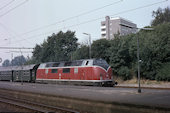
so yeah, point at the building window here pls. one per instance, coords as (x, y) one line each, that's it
(66, 70)
(54, 70)
(103, 29)
(103, 24)
(103, 35)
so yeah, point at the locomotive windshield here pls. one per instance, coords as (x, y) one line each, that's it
(102, 63)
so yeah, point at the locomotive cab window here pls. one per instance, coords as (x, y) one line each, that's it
(54, 70)
(102, 63)
(66, 70)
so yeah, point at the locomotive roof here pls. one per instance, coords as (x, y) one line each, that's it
(73, 60)
(24, 67)
(67, 63)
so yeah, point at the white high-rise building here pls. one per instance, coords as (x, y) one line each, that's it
(112, 26)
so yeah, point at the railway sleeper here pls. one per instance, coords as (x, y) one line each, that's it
(22, 106)
(35, 107)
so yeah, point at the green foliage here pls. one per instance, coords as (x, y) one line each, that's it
(58, 47)
(161, 16)
(37, 54)
(154, 48)
(164, 72)
(120, 59)
(81, 53)
(19, 60)
(99, 49)
(124, 73)
(6, 63)
(154, 52)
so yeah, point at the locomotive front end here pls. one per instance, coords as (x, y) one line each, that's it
(103, 72)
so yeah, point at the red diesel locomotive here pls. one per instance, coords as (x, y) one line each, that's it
(86, 72)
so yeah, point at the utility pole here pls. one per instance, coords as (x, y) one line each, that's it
(12, 66)
(89, 44)
(21, 69)
(138, 56)
(138, 62)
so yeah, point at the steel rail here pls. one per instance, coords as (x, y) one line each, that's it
(36, 107)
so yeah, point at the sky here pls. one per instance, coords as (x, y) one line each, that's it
(25, 23)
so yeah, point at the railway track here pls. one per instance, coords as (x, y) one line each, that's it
(32, 106)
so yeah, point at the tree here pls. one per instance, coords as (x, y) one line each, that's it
(120, 59)
(100, 48)
(6, 63)
(155, 50)
(19, 60)
(164, 72)
(58, 47)
(81, 53)
(66, 44)
(160, 16)
(37, 54)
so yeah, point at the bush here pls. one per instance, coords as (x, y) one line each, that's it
(124, 73)
(164, 73)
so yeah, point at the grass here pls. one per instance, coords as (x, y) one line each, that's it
(143, 81)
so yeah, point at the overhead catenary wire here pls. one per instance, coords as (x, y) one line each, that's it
(92, 20)
(133, 9)
(7, 4)
(9, 31)
(10, 11)
(20, 51)
(16, 52)
(16, 48)
(13, 8)
(69, 18)
(72, 17)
